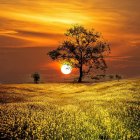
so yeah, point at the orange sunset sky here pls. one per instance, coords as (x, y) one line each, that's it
(30, 28)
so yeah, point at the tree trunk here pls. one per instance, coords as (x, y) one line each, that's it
(80, 69)
(80, 74)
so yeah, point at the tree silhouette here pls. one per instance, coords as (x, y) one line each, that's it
(36, 77)
(118, 77)
(111, 77)
(84, 49)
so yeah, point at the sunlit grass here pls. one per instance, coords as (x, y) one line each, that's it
(101, 111)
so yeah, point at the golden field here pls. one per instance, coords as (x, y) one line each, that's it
(71, 111)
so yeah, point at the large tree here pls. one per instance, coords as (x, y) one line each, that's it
(84, 49)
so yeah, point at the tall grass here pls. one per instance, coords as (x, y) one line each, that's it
(103, 111)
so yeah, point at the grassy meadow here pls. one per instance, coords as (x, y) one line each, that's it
(67, 111)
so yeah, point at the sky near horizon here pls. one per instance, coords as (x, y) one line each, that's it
(28, 29)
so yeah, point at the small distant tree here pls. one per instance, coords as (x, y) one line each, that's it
(36, 77)
(118, 77)
(111, 77)
(84, 49)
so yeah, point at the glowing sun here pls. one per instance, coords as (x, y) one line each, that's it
(66, 69)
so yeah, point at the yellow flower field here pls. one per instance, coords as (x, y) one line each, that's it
(71, 111)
